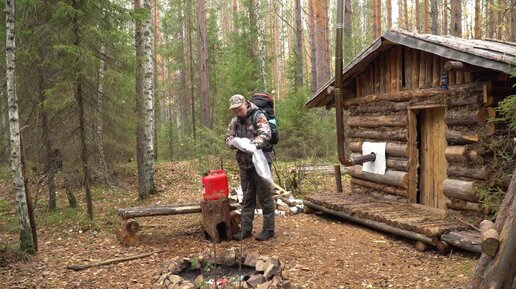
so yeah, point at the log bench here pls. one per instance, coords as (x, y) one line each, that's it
(127, 232)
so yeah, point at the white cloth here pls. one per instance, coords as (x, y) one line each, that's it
(379, 165)
(259, 161)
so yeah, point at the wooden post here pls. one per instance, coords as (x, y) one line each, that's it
(216, 219)
(338, 179)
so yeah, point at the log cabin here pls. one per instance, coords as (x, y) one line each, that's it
(432, 100)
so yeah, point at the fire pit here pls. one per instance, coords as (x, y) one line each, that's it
(206, 272)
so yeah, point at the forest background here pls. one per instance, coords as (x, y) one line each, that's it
(82, 86)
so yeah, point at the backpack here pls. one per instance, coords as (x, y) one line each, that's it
(266, 105)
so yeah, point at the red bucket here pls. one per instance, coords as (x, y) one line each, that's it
(215, 185)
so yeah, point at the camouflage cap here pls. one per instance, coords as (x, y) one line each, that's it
(236, 101)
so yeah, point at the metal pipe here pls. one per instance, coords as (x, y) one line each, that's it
(363, 159)
(339, 114)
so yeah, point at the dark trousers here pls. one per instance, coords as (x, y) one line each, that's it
(253, 187)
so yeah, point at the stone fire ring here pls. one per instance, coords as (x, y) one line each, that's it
(267, 273)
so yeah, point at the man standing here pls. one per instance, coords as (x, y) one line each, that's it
(251, 123)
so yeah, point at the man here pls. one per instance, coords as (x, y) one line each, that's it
(253, 185)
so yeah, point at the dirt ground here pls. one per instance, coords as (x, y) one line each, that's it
(319, 251)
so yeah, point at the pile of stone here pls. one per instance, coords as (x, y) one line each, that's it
(267, 272)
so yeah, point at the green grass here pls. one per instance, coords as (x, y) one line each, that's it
(5, 175)
(4, 205)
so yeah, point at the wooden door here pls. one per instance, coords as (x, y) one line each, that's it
(432, 172)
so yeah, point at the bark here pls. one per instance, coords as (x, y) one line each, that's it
(348, 53)
(380, 187)
(446, 28)
(27, 241)
(80, 98)
(391, 149)
(313, 45)
(377, 121)
(383, 106)
(505, 224)
(490, 238)
(457, 204)
(464, 117)
(393, 178)
(140, 146)
(299, 82)
(459, 138)
(157, 76)
(253, 30)
(206, 116)
(377, 18)
(159, 211)
(478, 20)
(322, 42)
(477, 173)
(462, 241)
(148, 103)
(513, 21)
(461, 154)
(388, 7)
(393, 134)
(490, 19)
(189, 51)
(463, 190)
(99, 140)
(434, 16)
(426, 14)
(261, 46)
(456, 10)
(417, 13)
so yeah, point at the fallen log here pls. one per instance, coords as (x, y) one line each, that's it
(490, 238)
(159, 211)
(393, 178)
(110, 261)
(460, 240)
(463, 190)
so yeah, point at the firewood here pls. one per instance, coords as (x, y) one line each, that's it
(110, 261)
(490, 238)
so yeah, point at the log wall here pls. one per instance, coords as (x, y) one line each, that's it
(401, 80)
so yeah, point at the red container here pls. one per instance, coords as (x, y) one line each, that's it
(215, 185)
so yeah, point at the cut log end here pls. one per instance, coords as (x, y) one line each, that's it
(421, 247)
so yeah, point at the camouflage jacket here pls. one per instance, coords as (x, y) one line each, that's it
(245, 128)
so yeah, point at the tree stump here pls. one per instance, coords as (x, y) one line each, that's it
(216, 219)
(127, 233)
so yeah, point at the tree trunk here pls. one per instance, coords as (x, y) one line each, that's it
(206, 119)
(490, 19)
(140, 145)
(299, 82)
(313, 45)
(478, 20)
(261, 46)
(498, 272)
(456, 10)
(188, 29)
(148, 103)
(434, 16)
(377, 18)
(388, 6)
(80, 98)
(348, 28)
(426, 14)
(100, 113)
(27, 239)
(417, 12)
(513, 21)
(322, 42)
(446, 29)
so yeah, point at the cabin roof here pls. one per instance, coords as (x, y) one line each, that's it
(489, 54)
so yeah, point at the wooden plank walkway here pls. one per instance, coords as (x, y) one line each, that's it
(413, 218)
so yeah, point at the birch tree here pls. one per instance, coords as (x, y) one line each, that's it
(148, 101)
(27, 239)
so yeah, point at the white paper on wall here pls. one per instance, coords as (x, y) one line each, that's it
(378, 166)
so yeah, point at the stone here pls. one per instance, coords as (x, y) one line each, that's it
(175, 279)
(256, 279)
(188, 285)
(274, 260)
(251, 258)
(260, 266)
(265, 285)
(199, 281)
(271, 271)
(227, 258)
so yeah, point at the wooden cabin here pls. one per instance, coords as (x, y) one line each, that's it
(432, 100)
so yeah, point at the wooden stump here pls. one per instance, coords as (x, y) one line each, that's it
(216, 219)
(127, 233)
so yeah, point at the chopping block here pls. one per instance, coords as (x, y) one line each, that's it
(216, 219)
